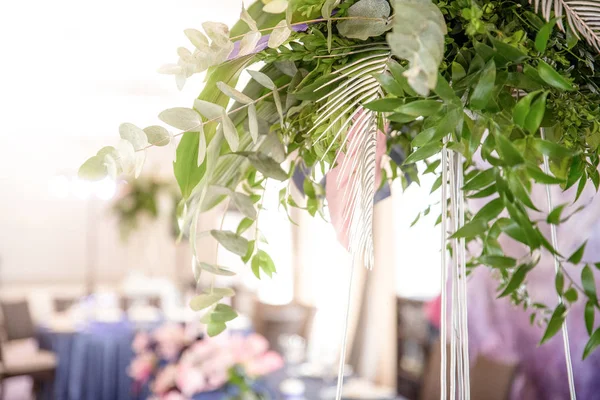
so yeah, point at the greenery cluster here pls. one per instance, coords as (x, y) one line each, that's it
(504, 87)
(141, 199)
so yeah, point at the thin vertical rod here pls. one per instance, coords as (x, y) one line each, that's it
(463, 284)
(444, 277)
(565, 330)
(340, 381)
(453, 327)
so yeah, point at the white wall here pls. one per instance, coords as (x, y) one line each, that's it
(73, 71)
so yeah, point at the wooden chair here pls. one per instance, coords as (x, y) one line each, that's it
(413, 341)
(490, 379)
(272, 321)
(126, 302)
(20, 356)
(62, 304)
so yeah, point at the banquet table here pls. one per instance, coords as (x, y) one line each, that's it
(93, 362)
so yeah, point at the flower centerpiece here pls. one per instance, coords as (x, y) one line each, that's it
(170, 363)
(495, 97)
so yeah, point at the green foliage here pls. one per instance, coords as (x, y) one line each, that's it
(492, 79)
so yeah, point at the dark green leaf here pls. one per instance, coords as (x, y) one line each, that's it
(588, 283)
(401, 118)
(424, 137)
(555, 323)
(559, 282)
(541, 177)
(511, 53)
(471, 229)
(519, 191)
(592, 343)
(578, 254)
(232, 242)
(541, 39)
(420, 108)
(389, 84)
(491, 210)
(571, 295)
(444, 90)
(590, 314)
(436, 185)
(516, 279)
(398, 73)
(553, 78)
(415, 220)
(536, 113)
(551, 149)
(480, 180)
(509, 153)
(522, 109)
(458, 72)
(423, 152)
(488, 191)
(554, 216)
(483, 90)
(581, 186)
(384, 105)
(432, 167)
(498, 261)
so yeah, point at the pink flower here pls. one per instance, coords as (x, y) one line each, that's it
(265, 364)
(165, 380)
(255, 345)
(141, 342)
(170, 338)
(217, 380)
(142, 366)
(335, 188)
(190, 379)
(174, 395)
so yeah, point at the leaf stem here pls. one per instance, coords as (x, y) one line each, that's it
(219, 117)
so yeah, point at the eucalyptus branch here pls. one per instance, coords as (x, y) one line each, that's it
(317, 20)
(231, 112)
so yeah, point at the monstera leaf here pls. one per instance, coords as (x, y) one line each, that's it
(583, 17)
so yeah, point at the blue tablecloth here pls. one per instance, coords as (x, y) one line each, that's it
(92, 362)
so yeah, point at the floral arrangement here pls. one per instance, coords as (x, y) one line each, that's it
(493, 96)
(176, 365)
(140, 197)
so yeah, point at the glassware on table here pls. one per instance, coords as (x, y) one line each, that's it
(294, 353)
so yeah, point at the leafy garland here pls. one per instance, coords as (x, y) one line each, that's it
(488, 78)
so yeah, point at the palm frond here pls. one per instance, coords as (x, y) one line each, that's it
(583, 17)
(344, 121)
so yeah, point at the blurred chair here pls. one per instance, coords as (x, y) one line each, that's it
(18, 323)
(62, 304)
(272, 321)
(490, 379)
(413, 347)
(126, 302)
(19, 353)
